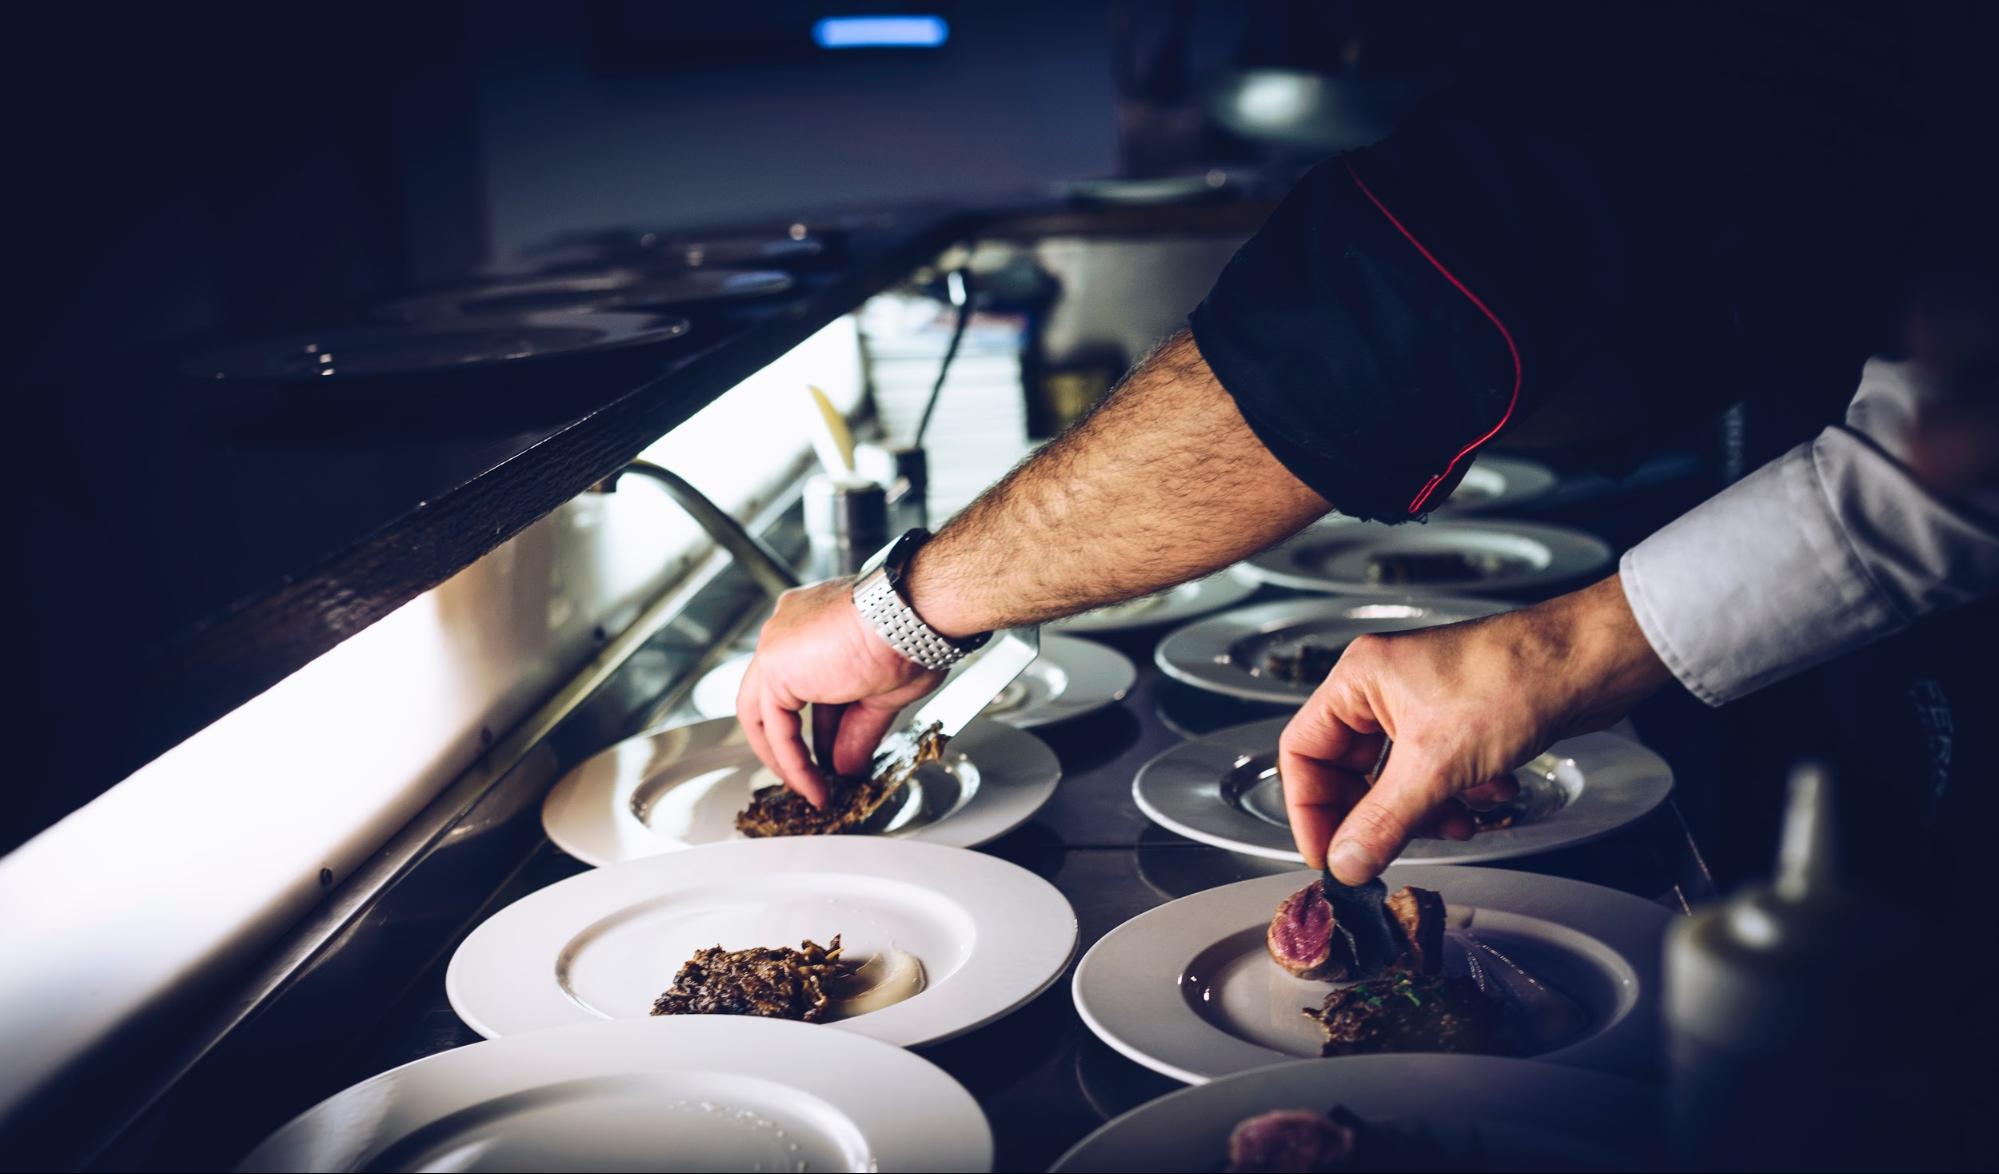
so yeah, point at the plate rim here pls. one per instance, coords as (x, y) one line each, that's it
(994, 905)
(1087, 655)
(1229, 585)
(1274, 566)
(1539, 480)
(1056, 648)
(1501, 1075)
(1207, 631)
(1629, 1046)
(1022, 801)
(1655, 787)
(623, 1051)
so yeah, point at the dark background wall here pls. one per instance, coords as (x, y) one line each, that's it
(1021, 96)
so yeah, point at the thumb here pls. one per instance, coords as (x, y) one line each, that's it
(1379, 826)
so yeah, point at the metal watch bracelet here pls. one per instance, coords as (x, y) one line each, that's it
(879, 598)
(884, 610)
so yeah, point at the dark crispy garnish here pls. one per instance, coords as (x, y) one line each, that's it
(774, 983)
(1411, 1013)
(853, 799)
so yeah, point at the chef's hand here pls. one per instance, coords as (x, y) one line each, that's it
(1464, 704)
(817, 650)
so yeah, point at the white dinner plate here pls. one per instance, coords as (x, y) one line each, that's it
(1170, 606)
(682, 787)
(693, 1093)
(1499, 483)
(1070, 678)
(1223, 790)
(988, 935)
(1334, 555)
(1188, 989)
(1487, 1112)
(1226, 653)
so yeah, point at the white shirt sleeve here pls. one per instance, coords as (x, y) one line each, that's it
(1830, 546)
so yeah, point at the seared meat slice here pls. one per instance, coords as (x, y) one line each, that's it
(1410, 1013)
(773, 983)
(1307, 939)
(1290, 1140)
(1302, 937)
(1419, 914)
(853, 800)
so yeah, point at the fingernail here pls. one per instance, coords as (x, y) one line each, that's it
(1352, 863)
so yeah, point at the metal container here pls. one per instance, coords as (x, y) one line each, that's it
(846, 521)
(904, 472)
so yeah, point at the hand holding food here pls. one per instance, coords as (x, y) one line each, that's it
(1391, 951)
(852, 800)
(1464, 705)
(817, 650)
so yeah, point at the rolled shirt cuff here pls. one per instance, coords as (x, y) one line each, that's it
(1828, 547)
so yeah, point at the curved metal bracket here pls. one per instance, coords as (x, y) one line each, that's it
(758, 560)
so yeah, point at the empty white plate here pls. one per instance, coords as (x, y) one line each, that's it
(1070, 678)
(682, 787)
(1170, 606)
(1228, 653)
(1480, 1112)
(989, 935)
(1223, 789)
(1189, 991)
(1497, 483)
(693, 1093)
(1515, 557)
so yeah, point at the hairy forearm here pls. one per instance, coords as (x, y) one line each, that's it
(1163, 483)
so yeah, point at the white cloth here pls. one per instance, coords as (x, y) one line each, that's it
(1830, 546)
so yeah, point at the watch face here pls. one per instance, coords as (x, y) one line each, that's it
(895, 557)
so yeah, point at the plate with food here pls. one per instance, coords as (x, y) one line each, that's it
(1280, 652)
(1171, 606)
(903, 942)
(1371, 558)
(712, 1093)
(1387, 1112)
(1428, 959)
(1223, 789)
(1498, 483)
(1071, 678)
(701, 783)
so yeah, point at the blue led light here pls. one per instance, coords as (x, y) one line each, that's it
(881, 32)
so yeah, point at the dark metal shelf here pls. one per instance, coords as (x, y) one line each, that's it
(193, 542)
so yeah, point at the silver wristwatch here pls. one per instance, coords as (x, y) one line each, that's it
(878, 595)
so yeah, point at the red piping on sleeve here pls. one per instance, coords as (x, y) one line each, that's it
(1430, 486)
